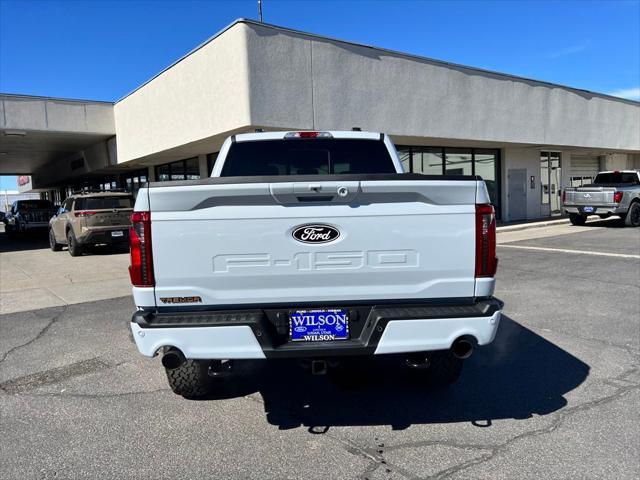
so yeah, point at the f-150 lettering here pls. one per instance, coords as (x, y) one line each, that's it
(305, 261)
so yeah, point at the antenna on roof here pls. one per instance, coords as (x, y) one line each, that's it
(260, 10)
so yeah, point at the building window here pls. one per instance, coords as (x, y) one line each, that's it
(188, 169)
(581, 181)
(485, 164)
(456, 161)
(211, 161)
(132, 181)
(428, 161)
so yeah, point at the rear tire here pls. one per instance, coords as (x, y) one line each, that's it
(191, 379)
(577, 219)
(55, 247)
(444, 368)
(74, 249)
(632, 218)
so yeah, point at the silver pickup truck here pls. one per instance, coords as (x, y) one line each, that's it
(611, 193)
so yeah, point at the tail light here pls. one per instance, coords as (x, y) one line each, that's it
(486, 261)
(617, 197)
(84, 213)
(564, 197)
(141, 268)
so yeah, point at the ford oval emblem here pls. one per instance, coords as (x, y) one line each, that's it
(315, 234)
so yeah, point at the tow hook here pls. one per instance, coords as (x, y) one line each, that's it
(220, 368)
(418, 362)
(318, 367)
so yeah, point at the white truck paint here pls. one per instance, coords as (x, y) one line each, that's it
(397, 253)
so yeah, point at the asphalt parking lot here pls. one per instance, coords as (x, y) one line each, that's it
(557, 395)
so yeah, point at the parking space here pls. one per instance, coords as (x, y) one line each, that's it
(34, 277)
(557, 394)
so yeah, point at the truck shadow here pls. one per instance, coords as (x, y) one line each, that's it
(612, 222)
(35, 240)
(519, 375)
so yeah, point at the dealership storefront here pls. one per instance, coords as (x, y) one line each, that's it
(527, 139)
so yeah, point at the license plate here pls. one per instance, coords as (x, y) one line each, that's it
(587, 209)
(319, 325)
(117, 233)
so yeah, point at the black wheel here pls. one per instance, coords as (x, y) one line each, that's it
(444, 369)
(577, 219)
(9, 230)
(55, 246)
(632, 219)
(191, 379)
(74, 249)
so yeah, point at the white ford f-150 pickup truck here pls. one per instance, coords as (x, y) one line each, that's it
(312, 245)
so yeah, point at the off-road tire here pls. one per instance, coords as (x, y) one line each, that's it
(632, 218)
(55, 246)
(75, 250)
(191, 379)
(577, 219)
(444, 369)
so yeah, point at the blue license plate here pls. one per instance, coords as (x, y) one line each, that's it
(319, 325)
(587, 209)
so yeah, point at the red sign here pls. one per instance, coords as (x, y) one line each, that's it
(23, 180)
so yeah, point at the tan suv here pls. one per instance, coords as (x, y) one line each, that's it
(89, 219)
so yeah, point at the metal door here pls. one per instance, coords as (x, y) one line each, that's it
(517, 193)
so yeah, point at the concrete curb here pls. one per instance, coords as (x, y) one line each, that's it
(544, 223)
(525, 226)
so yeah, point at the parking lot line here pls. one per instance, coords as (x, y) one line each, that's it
(564, 250)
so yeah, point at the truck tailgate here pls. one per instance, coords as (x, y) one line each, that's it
(589, 196)
(233, 244)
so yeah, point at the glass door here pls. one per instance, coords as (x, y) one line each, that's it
(550, 183)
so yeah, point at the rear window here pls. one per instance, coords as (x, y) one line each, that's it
(35, 205)
(616, 177)
(307, 157)
(103, 203)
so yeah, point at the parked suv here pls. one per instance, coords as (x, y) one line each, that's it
(90, 219)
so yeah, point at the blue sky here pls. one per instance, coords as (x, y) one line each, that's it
(101, 50)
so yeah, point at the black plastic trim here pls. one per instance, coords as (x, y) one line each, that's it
(270, 325)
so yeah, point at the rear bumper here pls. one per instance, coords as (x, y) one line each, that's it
(613, 209)
(104, 235)
(24, 226)
(255, 334)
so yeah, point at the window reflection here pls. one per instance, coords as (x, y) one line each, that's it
(458, 161)
(485, 165)
(455, 161)
(428, 161)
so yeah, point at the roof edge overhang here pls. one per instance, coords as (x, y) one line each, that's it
(383, 50)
